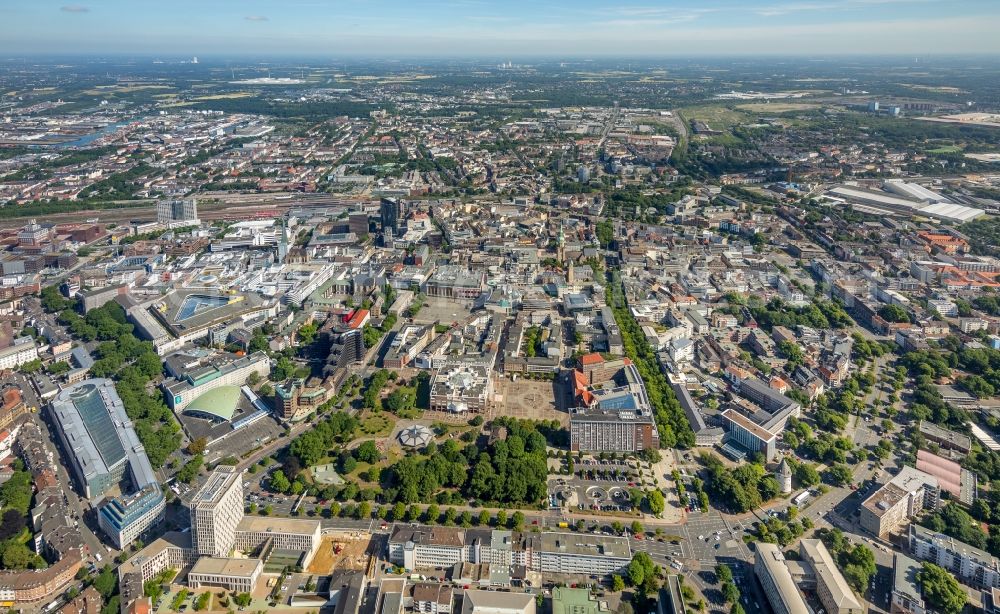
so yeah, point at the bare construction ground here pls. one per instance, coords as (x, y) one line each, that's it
(354, 550)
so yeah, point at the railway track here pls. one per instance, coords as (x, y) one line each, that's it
(233, 207)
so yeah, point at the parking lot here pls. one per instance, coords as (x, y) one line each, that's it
(601, 485)
(239, 442)
(586, 495)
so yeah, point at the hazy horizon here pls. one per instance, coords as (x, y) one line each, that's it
(476, 28)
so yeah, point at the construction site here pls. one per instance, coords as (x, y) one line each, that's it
(350, 550)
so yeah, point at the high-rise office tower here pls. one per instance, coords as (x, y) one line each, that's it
(392, 213)
(216, 509)
(177, 211)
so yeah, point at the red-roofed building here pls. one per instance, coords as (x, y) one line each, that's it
(358, 319)
(778, 384)
(6, 443)
(12, 408)
(598, 370)
(950, 475)
(140, 606)
(582, 389)
(87, 602)
(46, 478)
(943, 242)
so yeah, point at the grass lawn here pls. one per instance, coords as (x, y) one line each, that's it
(378, 425)
(777, 107)
(716, 116)
(229, 96)
(391, 455)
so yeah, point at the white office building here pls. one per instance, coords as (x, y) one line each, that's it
(779, 588)
(24, 350)
(237, 575)
(216, 511)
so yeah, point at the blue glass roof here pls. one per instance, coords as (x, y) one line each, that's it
(622, 401)
(195, 304)
(100, 427)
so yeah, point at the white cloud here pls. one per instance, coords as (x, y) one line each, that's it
(74, 8)
(776, 10)
(256, 18)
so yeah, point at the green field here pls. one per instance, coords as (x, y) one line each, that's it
(717, 116)
(947, 149)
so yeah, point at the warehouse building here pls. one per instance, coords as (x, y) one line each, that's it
(882, 203)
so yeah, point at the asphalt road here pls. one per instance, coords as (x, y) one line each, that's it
(79, 506)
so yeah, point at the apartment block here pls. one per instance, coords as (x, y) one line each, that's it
(432, 599)
(968, 564)
(23, 350)
(902, 498)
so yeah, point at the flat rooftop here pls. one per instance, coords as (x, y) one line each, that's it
(425, 535)
(238, 568)
(884, 499)
(904, 576)
(912, 480)
(182, 311)
(567, 600)
(173, 539)
(953, 545)
(586, 545)
(292, 526)
(956, 440)
(746, 423)
(219, 481)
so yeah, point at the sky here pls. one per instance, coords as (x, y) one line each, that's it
(498, 28)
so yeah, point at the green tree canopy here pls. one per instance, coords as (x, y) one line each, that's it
(941, 589)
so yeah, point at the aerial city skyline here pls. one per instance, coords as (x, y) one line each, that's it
(470, 307)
